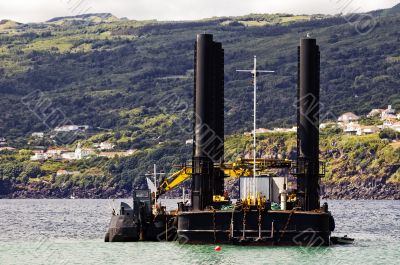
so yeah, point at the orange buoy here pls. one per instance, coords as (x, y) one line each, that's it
(218, 248)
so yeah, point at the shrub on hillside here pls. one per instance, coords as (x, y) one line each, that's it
(389, 134)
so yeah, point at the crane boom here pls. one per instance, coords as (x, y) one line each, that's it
(174, 180)
(240, 168)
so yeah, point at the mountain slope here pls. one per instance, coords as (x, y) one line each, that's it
(93, 71)
(98, 18)
(8, 25)
(358, 167)
(392, 11)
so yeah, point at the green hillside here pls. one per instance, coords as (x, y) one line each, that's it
(94, 67)
(358, 167)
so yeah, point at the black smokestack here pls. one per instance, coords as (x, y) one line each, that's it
(208, 147)
(308, 124)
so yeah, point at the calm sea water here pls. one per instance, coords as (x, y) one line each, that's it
(61, 232)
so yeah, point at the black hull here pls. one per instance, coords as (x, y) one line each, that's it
(123, 228)
(283, 228)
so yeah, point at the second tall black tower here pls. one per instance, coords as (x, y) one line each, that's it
(308, 124)
(208, 147)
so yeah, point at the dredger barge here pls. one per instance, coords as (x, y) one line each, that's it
(254, 219)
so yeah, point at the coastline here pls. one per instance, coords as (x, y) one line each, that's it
(332, 191)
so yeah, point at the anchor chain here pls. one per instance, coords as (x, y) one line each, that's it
(286, 225)
(260, 210)
(215, 236)
(245, 209)
(232, 225)
(235, 207)
(166, 228)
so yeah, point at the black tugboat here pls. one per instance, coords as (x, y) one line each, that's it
(253, 220)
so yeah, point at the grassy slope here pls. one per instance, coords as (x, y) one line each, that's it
(350, 160)
(91, 71)
(347, 158)
(114, 75)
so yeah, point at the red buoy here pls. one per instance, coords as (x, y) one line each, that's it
(218, 248)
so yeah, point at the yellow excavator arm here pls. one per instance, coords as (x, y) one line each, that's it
(240, 168)
(180, 176)
(174, 180)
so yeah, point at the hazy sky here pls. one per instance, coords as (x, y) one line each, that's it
(42, 10)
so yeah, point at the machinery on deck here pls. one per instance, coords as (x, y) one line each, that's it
(148, 219)
(240, 168)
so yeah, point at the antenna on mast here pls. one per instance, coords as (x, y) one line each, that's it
(254, 72)
(154, 175)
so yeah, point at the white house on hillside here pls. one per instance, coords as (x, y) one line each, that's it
(38, 134)
(389, 117)
(348, 117)
(375, 112)
(369, 129)
(391, 125)
(286, 130)
(39, 156)
(63, 172)
(356, 129)
(8, 148)
(68, 156)
(396, 126)
(56, 150)
(81, 153)
(71, 128)
(352, 129)
(106, 146)
(389, 113)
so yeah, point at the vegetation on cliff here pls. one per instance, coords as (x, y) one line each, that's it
(350, 161)
(115, 75)
(93, 66)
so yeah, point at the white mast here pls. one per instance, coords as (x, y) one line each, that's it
(255, 72)
(155, 174)
(155, 182)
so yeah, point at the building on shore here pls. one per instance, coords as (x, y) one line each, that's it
(106, 146)
(63, 172)
(348, 117)
(68, 156)
(393, 125)
(375, 113)
(81, 152)
(39, 155)
(354, 128)
(388, 113)
(7, 148)
(71, 128)
(116, 154)
(56, 151)
(37, 134)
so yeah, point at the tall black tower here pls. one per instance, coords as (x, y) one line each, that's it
(208, 137)
(308, 124)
